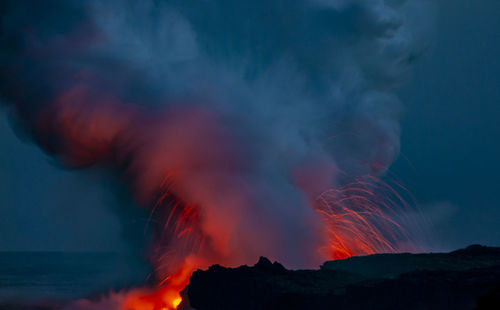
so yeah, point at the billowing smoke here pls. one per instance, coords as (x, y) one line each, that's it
(227, 118)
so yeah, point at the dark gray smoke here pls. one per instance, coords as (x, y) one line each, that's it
(250, 108)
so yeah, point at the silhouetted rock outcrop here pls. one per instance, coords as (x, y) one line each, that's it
(463, 279)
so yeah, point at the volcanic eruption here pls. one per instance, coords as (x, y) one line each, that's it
(244, 129)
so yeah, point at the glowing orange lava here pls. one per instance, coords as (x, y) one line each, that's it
(178, 238)
(166, 297)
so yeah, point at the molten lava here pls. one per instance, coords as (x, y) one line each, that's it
(166, 297)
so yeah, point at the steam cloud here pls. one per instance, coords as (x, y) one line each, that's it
(245, 109)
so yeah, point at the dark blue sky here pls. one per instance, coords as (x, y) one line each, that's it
(450, 134)
(451, 128)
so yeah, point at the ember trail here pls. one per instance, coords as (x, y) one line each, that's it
(360, 219)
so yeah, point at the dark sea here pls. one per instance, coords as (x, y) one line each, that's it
(32, 276)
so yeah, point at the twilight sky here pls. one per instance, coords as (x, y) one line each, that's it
(450, 134)
(451, 130)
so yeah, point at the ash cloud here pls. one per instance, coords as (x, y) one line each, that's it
(252, 108)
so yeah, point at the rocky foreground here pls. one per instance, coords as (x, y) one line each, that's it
(463, 279)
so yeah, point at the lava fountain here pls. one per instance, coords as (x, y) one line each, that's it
(360, 218)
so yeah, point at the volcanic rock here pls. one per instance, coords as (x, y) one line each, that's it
(463, 279)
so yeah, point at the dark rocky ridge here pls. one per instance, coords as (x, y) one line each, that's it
(463, 279)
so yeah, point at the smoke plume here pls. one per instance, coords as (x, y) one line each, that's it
(226, 118)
